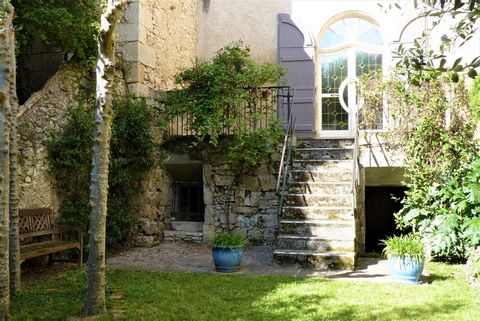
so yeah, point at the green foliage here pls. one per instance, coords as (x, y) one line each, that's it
(131, 158)
(435, 129)
(404, 245)
(475, 99)
(420, 62)
(69, 25)
(222, 97)
(228, 240)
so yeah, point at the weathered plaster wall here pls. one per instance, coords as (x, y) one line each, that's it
(156, 39)
(253, 21)
(43, 112)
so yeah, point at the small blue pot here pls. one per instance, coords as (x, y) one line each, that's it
(406, 269)
(227, 259)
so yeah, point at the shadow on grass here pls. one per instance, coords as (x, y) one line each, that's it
(213, 297)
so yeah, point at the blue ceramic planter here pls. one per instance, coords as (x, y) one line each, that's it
(406, 269)
(227, 259)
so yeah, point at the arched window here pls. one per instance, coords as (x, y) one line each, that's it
(348, 48)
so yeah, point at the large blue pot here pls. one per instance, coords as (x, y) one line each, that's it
(227, 259)
(406, 269)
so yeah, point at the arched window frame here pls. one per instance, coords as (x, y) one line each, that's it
(350, 47)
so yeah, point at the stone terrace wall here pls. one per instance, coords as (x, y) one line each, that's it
(44, 111)
(156, 40)
(253, 202)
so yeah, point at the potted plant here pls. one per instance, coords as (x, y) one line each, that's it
(227, 251)
(406, 257)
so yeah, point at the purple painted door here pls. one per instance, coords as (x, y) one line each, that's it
(293, 49)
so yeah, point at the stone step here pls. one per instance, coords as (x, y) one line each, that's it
(320, 187)
(318, 228)
(315, 259)
(324, 143)
(324, 153)
(321, 175)
(313, 243)
(319, 164)
(342, 200)
(317, 213)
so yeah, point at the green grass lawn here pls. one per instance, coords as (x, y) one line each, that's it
(191, 296)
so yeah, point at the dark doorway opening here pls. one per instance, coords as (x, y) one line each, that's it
(380, 205)
(188, 202)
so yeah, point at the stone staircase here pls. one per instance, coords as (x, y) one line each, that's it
(317, 226)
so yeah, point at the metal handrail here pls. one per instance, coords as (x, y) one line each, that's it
(356, 152)
(290, 126)
(284, 169)
(256, 112)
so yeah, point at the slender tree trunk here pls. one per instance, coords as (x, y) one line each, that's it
(14, 245)
(6, 50)
(95, 298)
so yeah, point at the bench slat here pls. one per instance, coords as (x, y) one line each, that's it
(44, 248)
(38, 233)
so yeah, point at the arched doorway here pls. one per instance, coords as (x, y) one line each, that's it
(348, 46)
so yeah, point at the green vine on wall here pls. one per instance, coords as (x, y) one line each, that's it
(222, 100)
(222, 97)
(131, 158)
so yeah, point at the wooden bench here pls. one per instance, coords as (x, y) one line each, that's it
(39, 235)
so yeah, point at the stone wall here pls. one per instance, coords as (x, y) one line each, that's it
(156, 39)
(252, 201)
(43, 112)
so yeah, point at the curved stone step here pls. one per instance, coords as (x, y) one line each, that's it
(317, 213)
(319, 164)
(342, 200)
(324, 153)
(321, 175)
(330, 260)
(321, 229)
(320, 187)
(324, 143)
(314, 243)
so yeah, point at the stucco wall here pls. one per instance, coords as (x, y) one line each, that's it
(253, 21)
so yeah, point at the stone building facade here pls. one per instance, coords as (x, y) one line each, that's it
(156, 39)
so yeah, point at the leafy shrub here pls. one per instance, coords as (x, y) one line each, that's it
(228, 240)
(131, 158)
(404, 245)
(219, 95)
(70, 25)
(435, 129)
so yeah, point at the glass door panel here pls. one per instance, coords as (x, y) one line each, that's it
(334, 72)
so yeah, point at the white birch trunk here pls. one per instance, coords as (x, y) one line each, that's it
(95, 297)
(6, 51)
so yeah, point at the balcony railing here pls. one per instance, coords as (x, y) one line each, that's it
(264, 106)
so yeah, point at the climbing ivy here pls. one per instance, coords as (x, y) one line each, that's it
(131, 158)
(222, 98)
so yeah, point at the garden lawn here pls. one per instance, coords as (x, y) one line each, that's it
(191, 296)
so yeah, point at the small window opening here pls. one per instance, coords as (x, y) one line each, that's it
(188, 202)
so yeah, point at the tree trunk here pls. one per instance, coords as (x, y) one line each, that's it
(95, 298)
(14, 245)
(6, 51)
